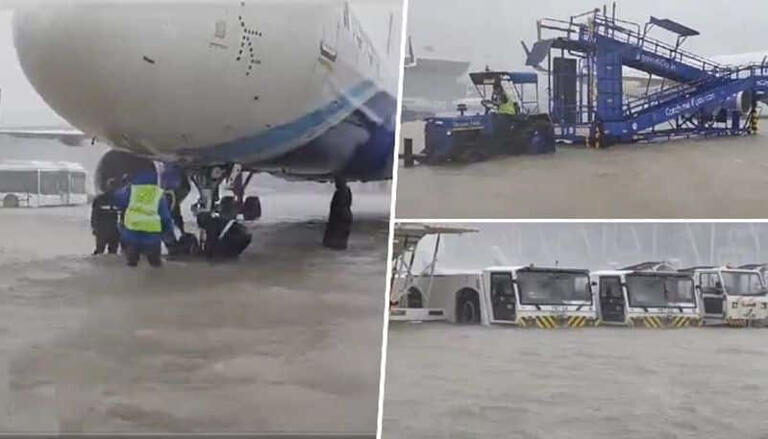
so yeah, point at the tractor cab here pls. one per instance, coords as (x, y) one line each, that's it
(760, 268)
(650, 295)
(540, 297)
(731, 296)
(521, 87)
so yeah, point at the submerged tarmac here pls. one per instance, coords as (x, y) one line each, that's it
(721, 177)
(285, 339)
(469, 382)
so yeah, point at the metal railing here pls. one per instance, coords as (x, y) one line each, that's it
(633, 106)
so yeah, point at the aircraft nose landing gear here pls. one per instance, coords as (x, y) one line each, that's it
(220, 233)
(249, 207)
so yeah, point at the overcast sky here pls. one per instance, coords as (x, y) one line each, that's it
(598, 246)
(490, 31)
(481, 31)
(22, 106)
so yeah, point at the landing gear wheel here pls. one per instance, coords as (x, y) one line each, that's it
(228, 207)
(11, 200)
(251, 209)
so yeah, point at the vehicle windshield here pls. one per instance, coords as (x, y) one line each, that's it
(18, 181)
(660, 291)
(553, 288)
(742, 283)
(491, 90)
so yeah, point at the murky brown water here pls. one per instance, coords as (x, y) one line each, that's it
(709, 178)
(448, 381)
(288, 338)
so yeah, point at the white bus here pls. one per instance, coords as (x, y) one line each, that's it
(39, 184)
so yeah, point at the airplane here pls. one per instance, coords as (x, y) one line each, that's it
(219, 90)
(431, 86)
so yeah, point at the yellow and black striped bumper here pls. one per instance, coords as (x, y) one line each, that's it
(553, 322)
(666, 322)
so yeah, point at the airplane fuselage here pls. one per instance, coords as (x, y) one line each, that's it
(292, 87)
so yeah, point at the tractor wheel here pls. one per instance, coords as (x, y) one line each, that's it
(540, 138)
(471, 155)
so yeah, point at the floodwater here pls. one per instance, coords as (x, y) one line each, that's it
(285, 339)
(706, 178)
(450, 381)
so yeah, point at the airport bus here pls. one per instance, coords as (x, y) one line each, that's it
(40, 184)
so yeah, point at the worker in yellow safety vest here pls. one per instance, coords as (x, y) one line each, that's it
(504, 104)
(147, 217)
(508, 106)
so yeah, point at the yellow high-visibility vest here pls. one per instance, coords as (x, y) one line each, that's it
(508, 108)
(143, 213)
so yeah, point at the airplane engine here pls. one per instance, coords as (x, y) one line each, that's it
(115, 164)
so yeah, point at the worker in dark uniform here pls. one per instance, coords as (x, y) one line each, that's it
(224, 237)
(339, 224)
(105, 217)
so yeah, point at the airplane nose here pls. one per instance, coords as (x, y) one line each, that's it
(164, 78)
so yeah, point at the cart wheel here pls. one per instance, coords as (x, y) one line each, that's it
(11, 200)
(413, 299)
(468, 307)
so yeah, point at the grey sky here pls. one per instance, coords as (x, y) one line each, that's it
(599, 245)
(489, 31)
(22, 106)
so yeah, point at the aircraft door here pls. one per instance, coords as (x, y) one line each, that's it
(503, 297)
(612, 303)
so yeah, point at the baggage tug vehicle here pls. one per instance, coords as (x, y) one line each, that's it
(649, 295)
(731, 296)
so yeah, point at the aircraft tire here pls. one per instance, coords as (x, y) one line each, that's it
(252, 209)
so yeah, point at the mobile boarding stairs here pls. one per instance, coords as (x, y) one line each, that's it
(586, 58)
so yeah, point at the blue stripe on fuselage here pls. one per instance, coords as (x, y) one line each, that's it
(277, 137)
(374, 159)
